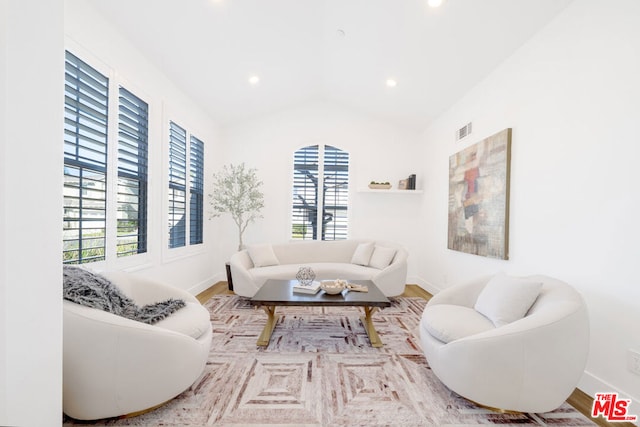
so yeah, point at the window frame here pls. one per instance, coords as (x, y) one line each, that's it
(177, 253)
(159, 114)
(317, 211)
(92, 124)
(142, 176)
(196, 190)
(177, 178)
(111, 260)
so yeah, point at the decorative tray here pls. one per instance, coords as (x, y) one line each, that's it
(380, 186)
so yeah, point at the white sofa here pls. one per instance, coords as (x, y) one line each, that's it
(384, 263)
(115, 366)
(531, 364)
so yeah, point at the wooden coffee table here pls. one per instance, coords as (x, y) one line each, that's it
(280, 292)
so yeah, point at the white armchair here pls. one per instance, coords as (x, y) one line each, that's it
(114, 366)
(529, 365)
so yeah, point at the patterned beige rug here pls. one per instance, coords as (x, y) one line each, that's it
(319, 370)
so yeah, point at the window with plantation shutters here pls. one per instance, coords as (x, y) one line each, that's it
(181, 214)
(196, 190)
(336, 193)
(106, 172)
(133, 118)
(85, 162)
(177, 185)
(320, 193)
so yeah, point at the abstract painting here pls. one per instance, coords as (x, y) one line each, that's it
(479, 197)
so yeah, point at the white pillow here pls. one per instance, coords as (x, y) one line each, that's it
(506, 299)
(262, 255)
(381, 257)
(362, 255)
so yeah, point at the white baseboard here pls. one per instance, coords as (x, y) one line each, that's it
(206, 284)
(429, 287)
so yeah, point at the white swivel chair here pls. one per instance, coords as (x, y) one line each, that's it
(528, 365)
(114, 366)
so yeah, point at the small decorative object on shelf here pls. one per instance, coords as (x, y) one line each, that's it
(411, 182)
(379, 185)
(305, 275)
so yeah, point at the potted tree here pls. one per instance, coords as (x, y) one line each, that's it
(236, 191)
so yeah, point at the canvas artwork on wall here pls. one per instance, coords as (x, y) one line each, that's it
(479, 197)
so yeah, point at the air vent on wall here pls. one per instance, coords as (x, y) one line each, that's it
(463, 131)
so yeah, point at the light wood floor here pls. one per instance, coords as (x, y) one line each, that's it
(578, 399)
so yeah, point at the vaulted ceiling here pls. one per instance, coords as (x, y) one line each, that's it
(342, 51)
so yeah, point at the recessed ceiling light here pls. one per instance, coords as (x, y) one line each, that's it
(391, 83)
(341, 33)
(254, 80)
(434, 3)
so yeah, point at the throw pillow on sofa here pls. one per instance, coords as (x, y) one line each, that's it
(262, 255)
(362, 254)
(381, 257)
(506, 299)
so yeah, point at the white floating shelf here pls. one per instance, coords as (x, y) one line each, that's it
(391, 190)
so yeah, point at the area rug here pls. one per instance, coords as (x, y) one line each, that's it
(320, 370)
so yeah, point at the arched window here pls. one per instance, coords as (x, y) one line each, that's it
(320, 193)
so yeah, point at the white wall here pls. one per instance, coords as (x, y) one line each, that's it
(32, 44)
(31, 97)
(3, 202)
(89, 36)
(378, 152)
(572, 97)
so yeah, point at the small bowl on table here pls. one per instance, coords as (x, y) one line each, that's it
(333, 287)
